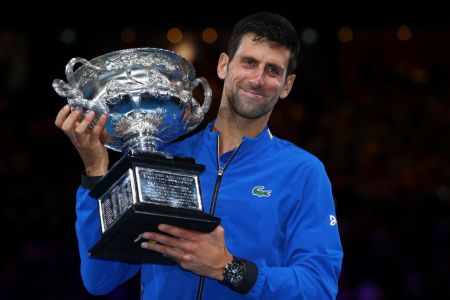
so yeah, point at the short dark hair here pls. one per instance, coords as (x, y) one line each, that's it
(270, 26)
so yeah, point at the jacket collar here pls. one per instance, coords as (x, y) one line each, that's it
(249, 145)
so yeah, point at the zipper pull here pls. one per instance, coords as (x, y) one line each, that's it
(220, 171)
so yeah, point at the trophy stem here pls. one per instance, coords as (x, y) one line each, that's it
(141, 144)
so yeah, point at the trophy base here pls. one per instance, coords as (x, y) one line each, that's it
(139, 193)
(123, 242)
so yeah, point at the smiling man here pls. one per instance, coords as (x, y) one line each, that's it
(278, 238)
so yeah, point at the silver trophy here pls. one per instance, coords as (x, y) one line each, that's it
(147, 95)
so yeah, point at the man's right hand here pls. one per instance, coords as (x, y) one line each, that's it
(86, 141)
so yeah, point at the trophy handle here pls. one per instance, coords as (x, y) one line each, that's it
(72, 63)
(198, 112)
(72, 92)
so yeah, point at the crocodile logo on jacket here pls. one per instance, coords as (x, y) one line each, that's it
(260, 191)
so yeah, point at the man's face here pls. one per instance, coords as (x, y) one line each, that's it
(255, 78)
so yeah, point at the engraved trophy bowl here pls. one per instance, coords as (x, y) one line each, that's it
(147, 95)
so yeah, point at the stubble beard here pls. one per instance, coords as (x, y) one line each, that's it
(251, 112)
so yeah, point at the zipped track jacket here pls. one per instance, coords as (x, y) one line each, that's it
(276, 206)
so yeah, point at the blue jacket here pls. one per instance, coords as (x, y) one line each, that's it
(276, 206)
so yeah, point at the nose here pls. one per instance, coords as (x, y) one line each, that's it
(256, 78)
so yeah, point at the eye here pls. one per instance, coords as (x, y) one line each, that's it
(273, 70)
(248, 62)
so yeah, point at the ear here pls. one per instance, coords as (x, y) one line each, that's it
(287, 86)
(222, 66)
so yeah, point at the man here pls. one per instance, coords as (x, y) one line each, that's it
(278, 237)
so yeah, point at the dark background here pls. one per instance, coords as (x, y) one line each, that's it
(375, 110)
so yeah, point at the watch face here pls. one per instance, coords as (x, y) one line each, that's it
(234, 273)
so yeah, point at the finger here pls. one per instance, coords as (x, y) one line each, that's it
(81, 128)
(177, 231)
(62, 116)
(165, 250)
(164, 239)
(219, 230)
(71, 120)
(103, 135)
(98, 129)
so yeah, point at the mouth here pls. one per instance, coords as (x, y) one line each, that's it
(252, 93)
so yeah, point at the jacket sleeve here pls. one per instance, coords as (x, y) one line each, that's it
(99, 276)
(312, 252)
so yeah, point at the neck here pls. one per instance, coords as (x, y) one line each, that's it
(233, 128)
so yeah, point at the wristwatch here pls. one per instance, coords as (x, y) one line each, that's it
(234, 273)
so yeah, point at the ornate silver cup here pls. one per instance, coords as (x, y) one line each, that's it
(147, 95)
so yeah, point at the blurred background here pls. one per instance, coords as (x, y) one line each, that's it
(371, 100)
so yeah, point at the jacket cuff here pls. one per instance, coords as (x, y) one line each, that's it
(89, 182)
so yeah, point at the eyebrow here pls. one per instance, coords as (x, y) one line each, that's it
(273, 65)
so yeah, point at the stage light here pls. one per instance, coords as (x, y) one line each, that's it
(209, 35)
(345, 34)
(174, 35)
